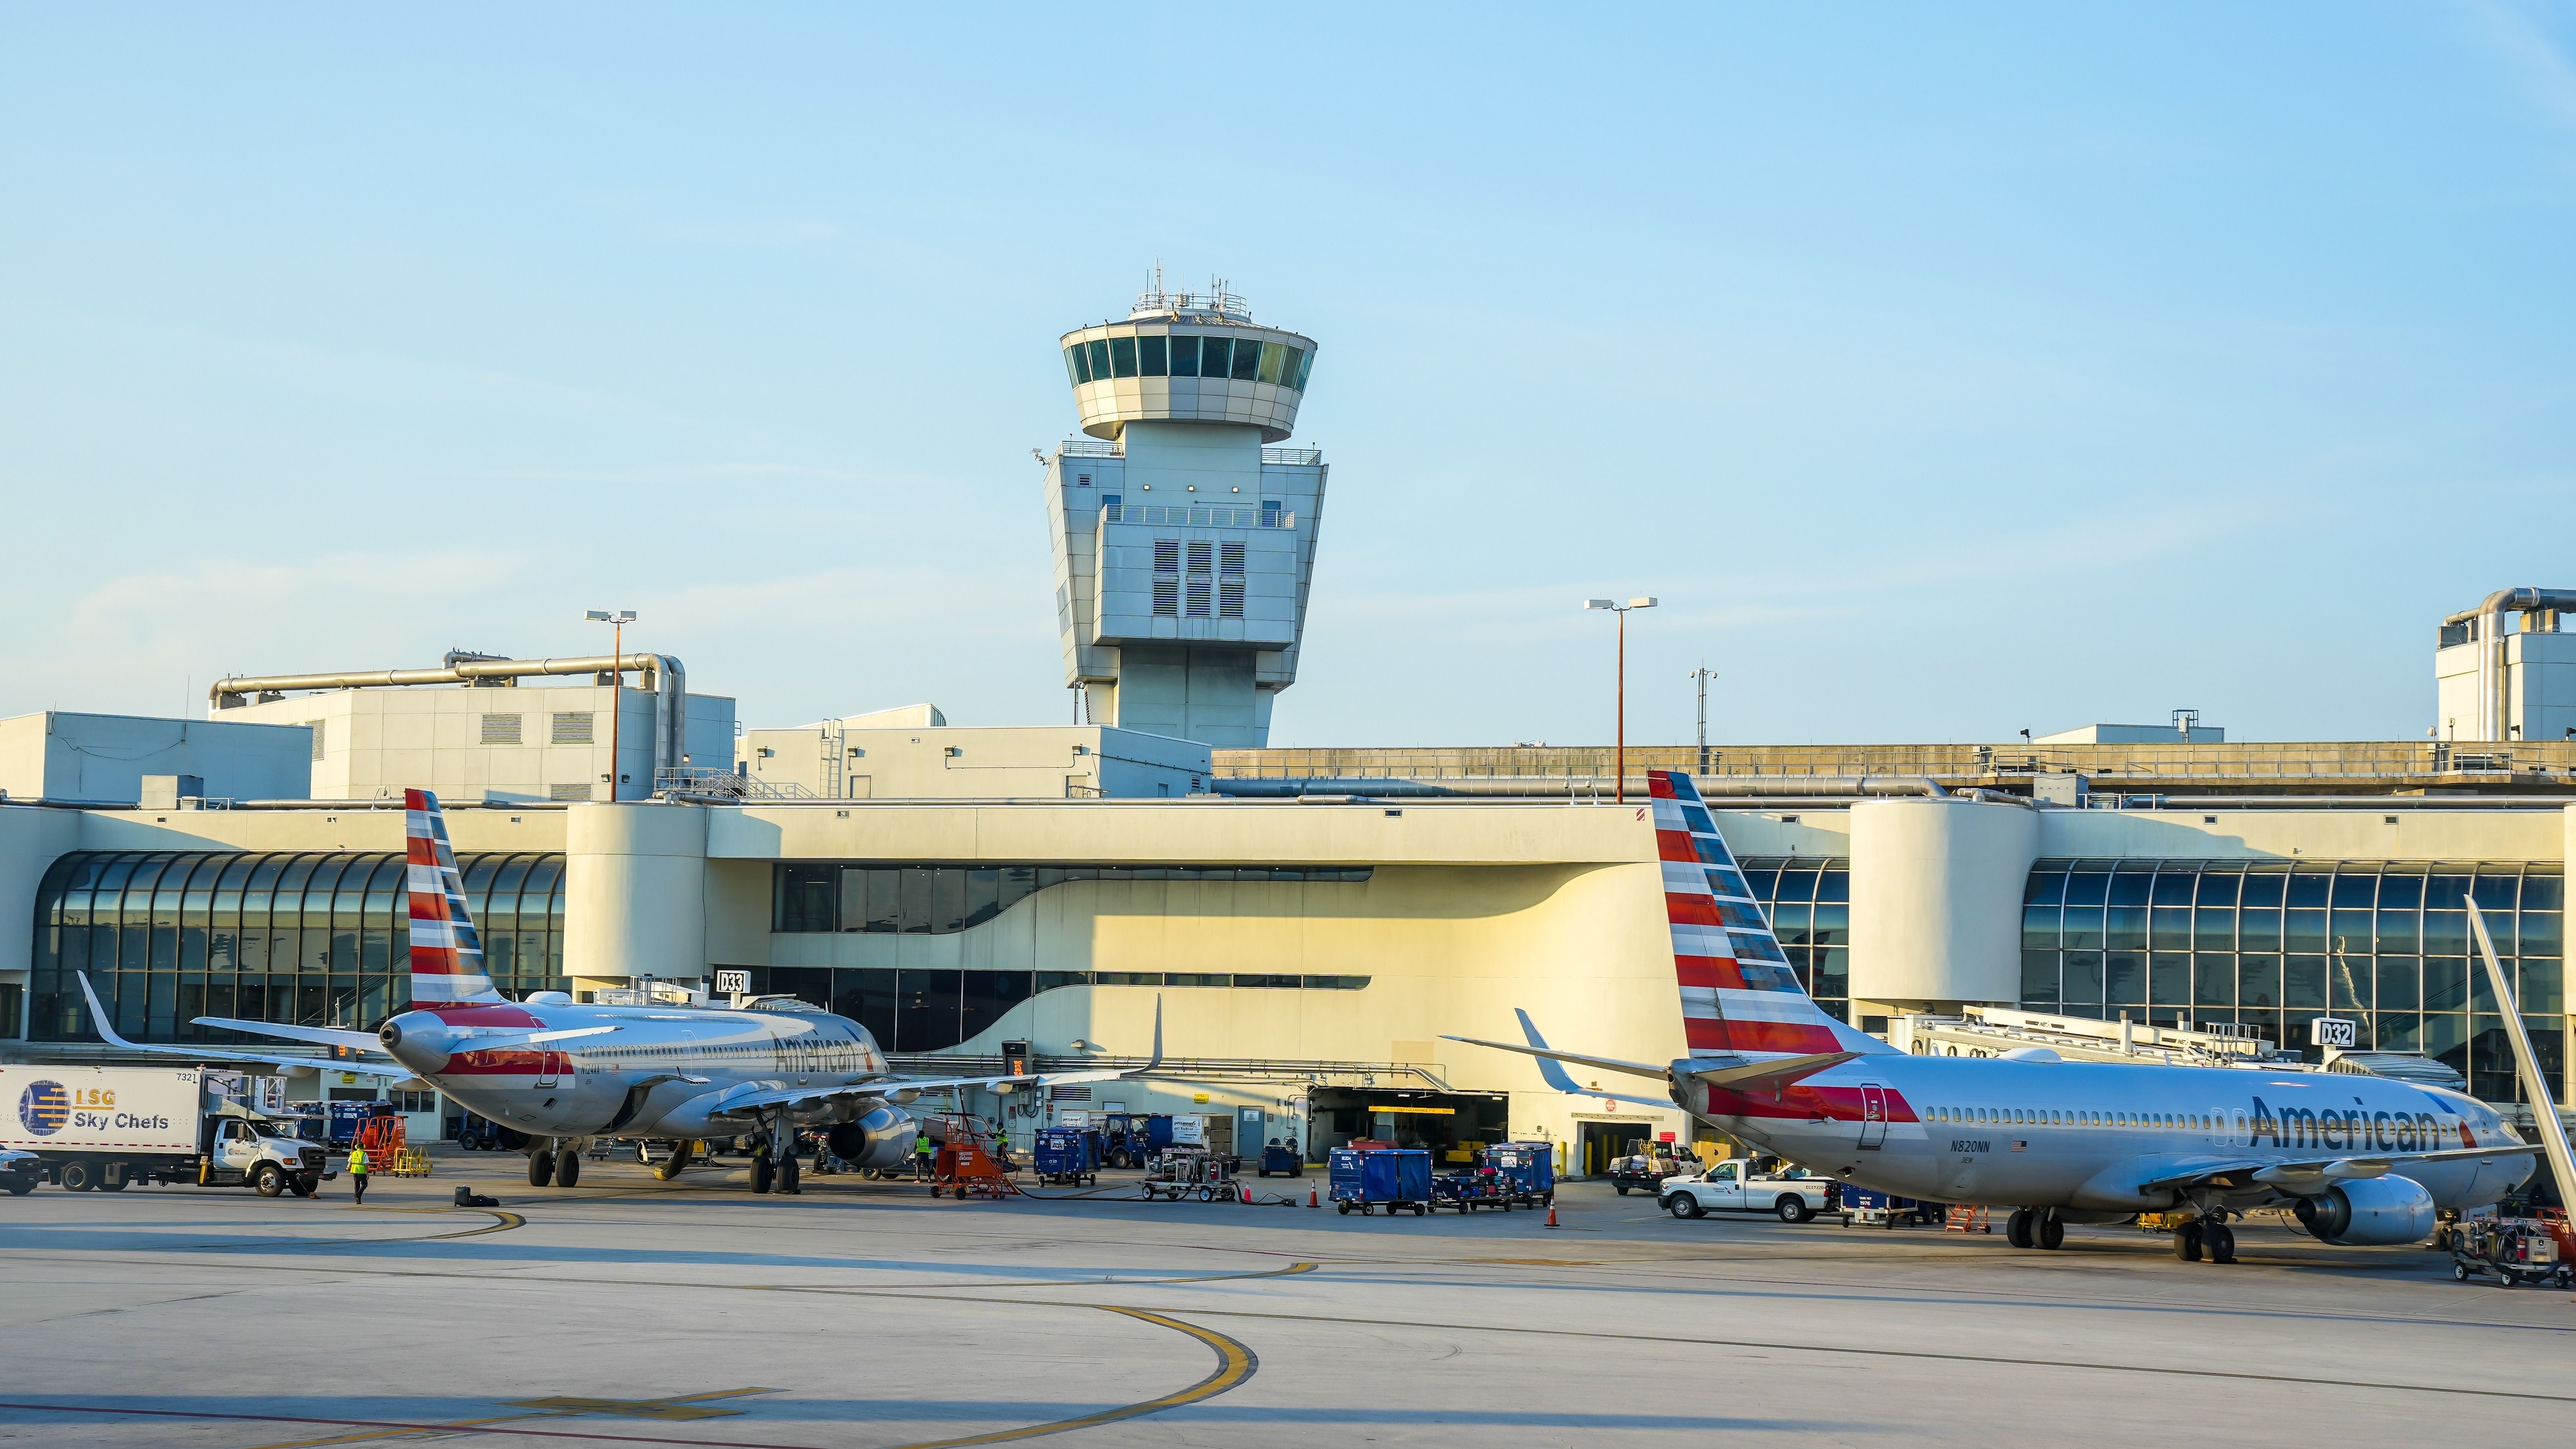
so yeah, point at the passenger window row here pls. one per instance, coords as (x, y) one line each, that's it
(1240, 358)
(2063, 1117)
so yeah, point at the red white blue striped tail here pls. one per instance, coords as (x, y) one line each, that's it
(1738, 994)
(446, 955)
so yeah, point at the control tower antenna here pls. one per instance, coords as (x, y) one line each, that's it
(1184, 548)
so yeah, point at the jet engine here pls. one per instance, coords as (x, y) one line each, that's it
(2369, 1212)
(882, 1139)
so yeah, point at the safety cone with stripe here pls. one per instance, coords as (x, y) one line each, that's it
(1311, 1200)
(1551, 1212)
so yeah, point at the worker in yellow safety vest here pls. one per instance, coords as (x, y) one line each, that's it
(358, 1171)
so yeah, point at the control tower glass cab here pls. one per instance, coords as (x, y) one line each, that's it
(1184, 542)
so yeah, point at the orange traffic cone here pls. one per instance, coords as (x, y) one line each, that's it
(1551, 1213)
(1310, 1196)
(1243, 1194)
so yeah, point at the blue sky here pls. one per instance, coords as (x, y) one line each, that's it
(1944, 370)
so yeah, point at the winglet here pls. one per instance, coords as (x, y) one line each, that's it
(98, 1017)
(1550, 1070)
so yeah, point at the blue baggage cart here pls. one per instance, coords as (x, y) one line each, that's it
(1883, 1209)
(1282, 1158)
(1396, 1178)
(1064, 1158)
(1528, 1167)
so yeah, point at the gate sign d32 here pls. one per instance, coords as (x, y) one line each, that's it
(2334, 1031)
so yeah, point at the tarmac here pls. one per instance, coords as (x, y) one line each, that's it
(866, 1315)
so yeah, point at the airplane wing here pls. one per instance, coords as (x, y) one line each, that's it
(904, 1089)
(356, 1041)
(2314, 1174)
(98, 1017)
(1554, 1075)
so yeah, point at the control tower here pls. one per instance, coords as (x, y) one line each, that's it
(1184, 546)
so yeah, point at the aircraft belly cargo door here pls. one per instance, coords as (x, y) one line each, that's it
(1873, 1114)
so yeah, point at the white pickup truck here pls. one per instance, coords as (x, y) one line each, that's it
(1747, 1185)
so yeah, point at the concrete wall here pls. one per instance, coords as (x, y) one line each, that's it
(635, 892)
(1038, 762)
(104, 757)
(1936, 889)
(375, 743)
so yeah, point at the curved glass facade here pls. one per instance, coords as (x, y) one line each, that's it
(305, 937)
(1241, 359)
(936, 899)
(1808, 899)
(2273, 943)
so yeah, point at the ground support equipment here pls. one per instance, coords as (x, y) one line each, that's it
(2513, 1250)
(1395, 1178)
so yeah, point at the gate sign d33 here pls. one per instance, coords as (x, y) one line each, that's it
(733, 983)
(2334, 1031)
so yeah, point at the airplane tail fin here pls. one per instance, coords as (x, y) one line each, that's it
(1738, 993)
(446, 954)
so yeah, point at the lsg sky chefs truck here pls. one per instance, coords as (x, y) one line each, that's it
(100, 1128)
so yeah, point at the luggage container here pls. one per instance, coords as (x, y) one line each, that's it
(1396, 1179)
(1529, 1168)
(1064, 1158)
(1868, 1208)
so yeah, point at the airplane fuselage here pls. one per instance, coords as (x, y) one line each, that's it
(2089, 1137)
(654, 1075)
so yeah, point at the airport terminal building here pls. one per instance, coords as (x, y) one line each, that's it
(1312, 922)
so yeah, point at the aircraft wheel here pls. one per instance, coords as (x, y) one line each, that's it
(2017, 1228)
(2221, 1241)
(788, 1174)
(2187, 1242)
(541, 1168)
(761, 1176)
(567, 1168)
(2052, 1233)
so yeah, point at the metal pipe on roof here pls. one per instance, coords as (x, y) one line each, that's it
(668, 679)
(2493, 683)
(1799, 787)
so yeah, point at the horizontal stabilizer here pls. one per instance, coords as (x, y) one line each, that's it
(1771, 1074)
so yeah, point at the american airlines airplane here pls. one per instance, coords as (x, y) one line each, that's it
(560, 1074)
(2359, 1160)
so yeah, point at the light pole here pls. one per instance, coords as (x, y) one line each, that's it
(1622, 611)
(1703, 674)
(617, 621)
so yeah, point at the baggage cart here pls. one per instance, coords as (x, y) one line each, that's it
(1397, 1179)
(1283, 1158)
(1868, 1207)
(1063, 1157)
(1529, 1167)
(1467, 1191)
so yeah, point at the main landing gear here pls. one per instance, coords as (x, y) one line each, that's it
(555, 1164)
(2207, 1233)
(777, 1169)
(2035, 1228)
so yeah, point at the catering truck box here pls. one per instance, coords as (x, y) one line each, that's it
(104, 1127)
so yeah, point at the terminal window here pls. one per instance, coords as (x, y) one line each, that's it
(933, 899)
(306, 937)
